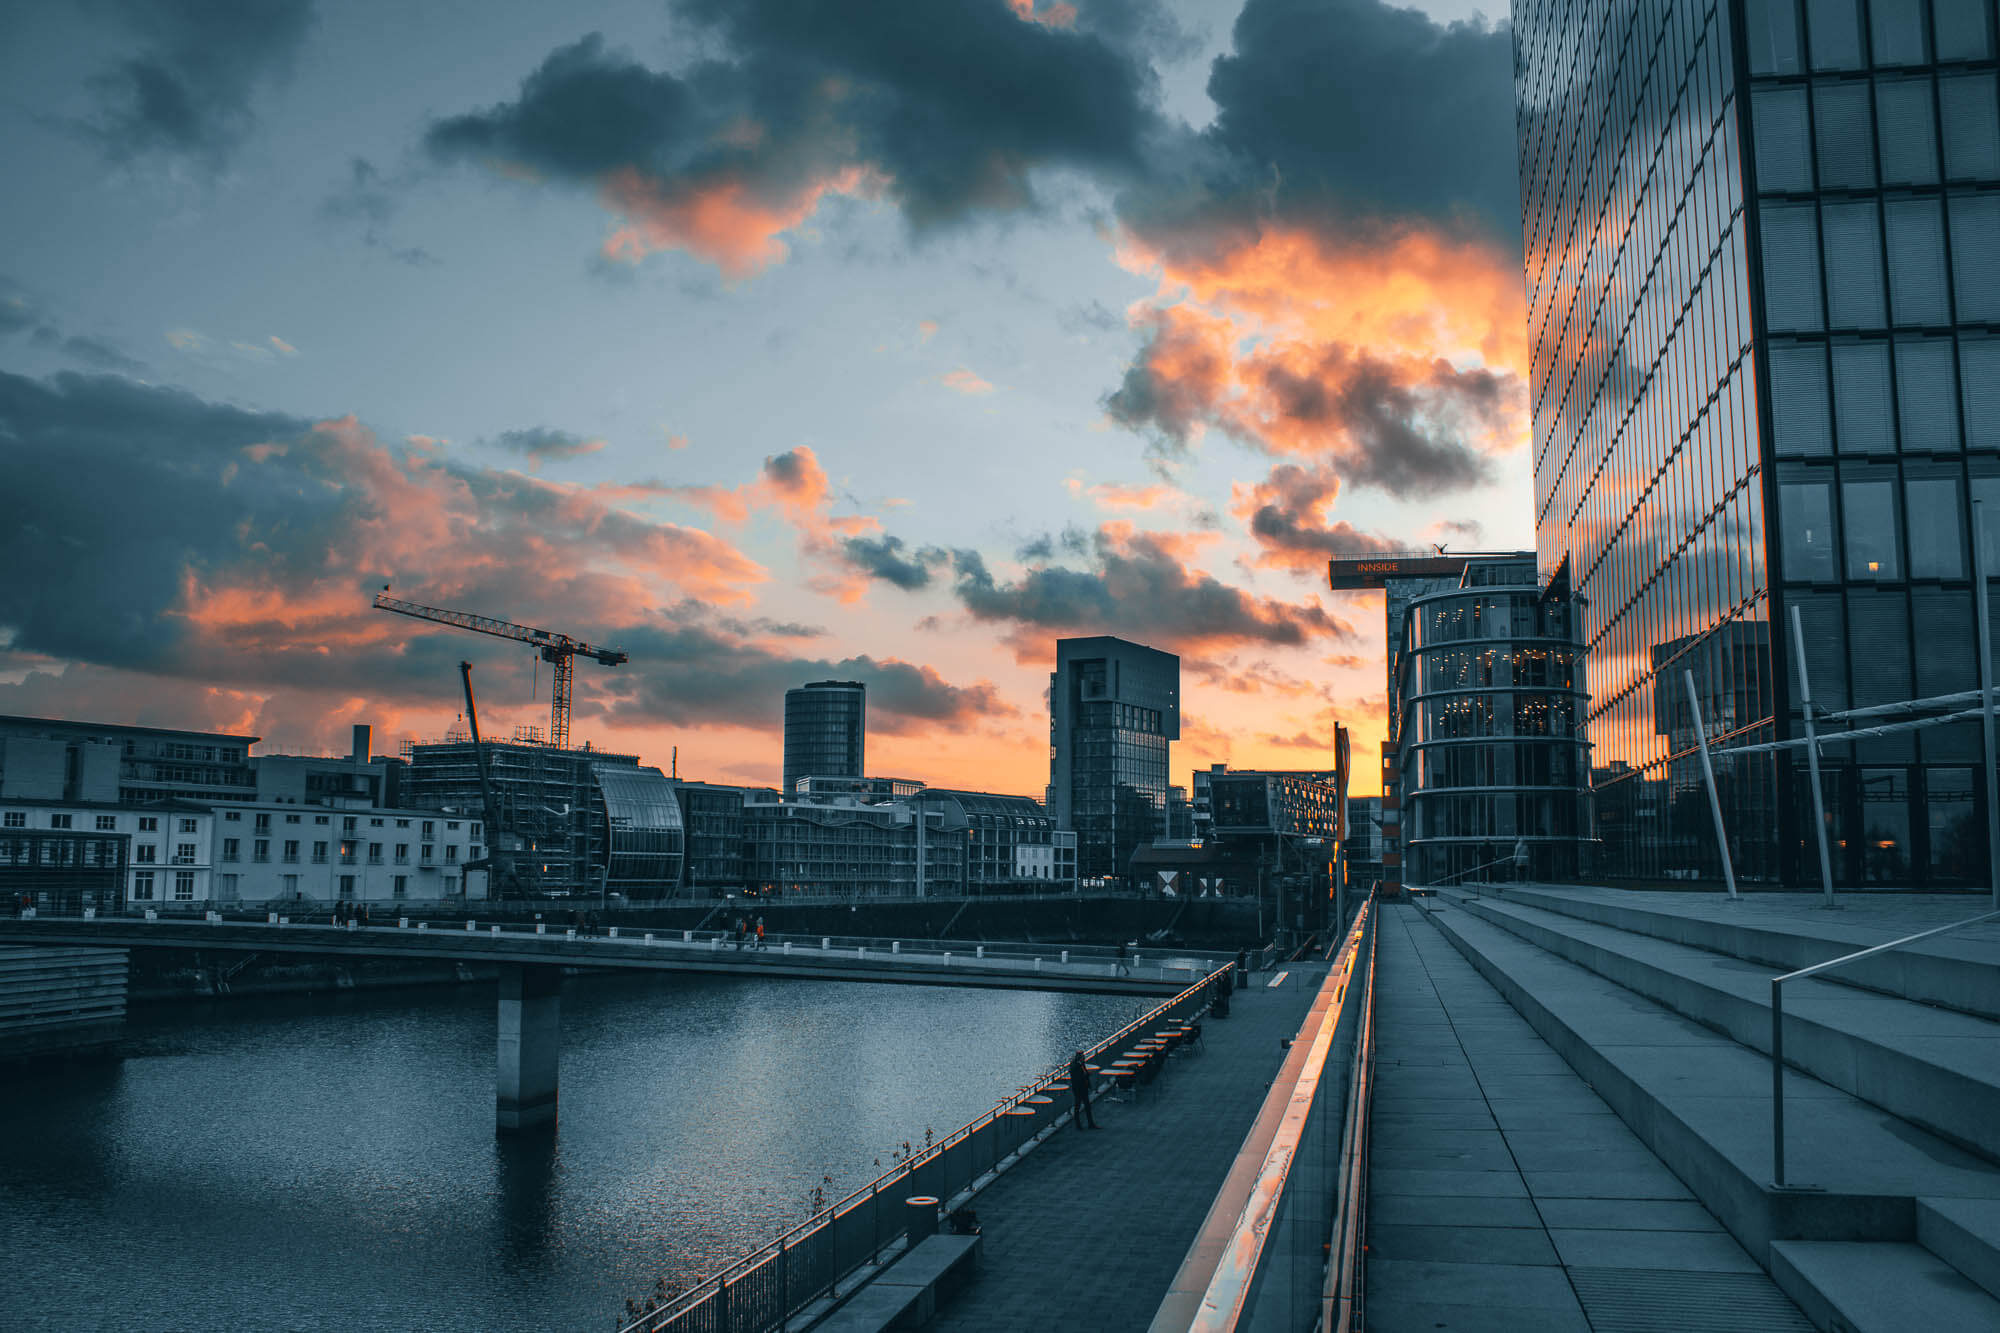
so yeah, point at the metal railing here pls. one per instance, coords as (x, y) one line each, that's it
(1342, 1306)
(765, 1288)
(1282, 1224)
(1778, 1026)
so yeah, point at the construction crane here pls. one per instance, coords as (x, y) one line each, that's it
(501, 843)
(560, 651)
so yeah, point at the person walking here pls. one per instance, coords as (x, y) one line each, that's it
(1520, 860)
(741, 927)
(760, 932)
(1124, 968)
(1079, 1091)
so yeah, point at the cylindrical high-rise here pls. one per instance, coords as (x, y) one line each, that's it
(826, 728)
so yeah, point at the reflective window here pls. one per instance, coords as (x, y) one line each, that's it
(1846, 141)
(1868, 510)
(1791, 273)
(1937, 543)
(1927, 395)
(1885, 825)
(1834, 27)
(1960, 26)
(1897, 31)
(1909, 137)
(1784, 156)
(1957, 842)
(1975, 257)
(1806, 518)
(1979, 381)
(1861, 398)
(1942, 623)
(1853, 267)
(1916, 261)
(1800, 417)
(1986, 498)
(1772, 29)
(1971, 126)
(1881, 621)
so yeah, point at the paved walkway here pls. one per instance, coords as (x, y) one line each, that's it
(1089, 1230)
(1505, 1195)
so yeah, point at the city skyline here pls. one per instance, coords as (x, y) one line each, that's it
(589, 323)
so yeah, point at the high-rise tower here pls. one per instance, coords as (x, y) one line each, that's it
(826, 730)
(1763, 278)
(1113, 709)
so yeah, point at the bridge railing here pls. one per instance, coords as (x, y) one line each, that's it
(762, 1290)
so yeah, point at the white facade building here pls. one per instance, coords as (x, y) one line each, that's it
(169, 857)
(278, 852)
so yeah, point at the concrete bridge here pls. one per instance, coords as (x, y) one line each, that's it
(532, 958)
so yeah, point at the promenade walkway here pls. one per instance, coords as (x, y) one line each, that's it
(1089, 1229)
(1505, 1195)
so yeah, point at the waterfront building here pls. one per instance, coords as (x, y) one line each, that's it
(358, 778)
(103, 854)
(1289, 824)
(52, 759)
(712, 816)
(1489, 700)
(1761, 244)
(851, 847)
(1361, 848)
(588, 822)
(1011, 843)
(279, 852)
(826, 731)
(1114, 709)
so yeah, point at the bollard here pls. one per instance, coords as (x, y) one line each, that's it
(614, 932)
(471, 926)
(922, 1211)
(571, 932)
(90, 914)
(284, 921)
(947, 958)
(494, 929)
(788, 946)
(979, 951)
(649, 937)
(715, 943)
(687, 937)
(354, 925)
(151, 915)
(895, 946)
(402, 923)
(825, 943)
(1038, 965)
(860, 951)
(423, 925)
(270, 918)
(541, 927)
(1065, 956)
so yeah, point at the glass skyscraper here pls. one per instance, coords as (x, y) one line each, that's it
(1763, 279)
(1113, 709)
(826, 731)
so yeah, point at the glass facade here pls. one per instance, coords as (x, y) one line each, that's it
(1490, 700)
(1114, 707)
(826, 731)
(1763, 271)
(645, 839)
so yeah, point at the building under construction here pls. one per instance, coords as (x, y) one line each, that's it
(589, 822)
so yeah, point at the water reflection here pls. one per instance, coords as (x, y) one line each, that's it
(330, 1161)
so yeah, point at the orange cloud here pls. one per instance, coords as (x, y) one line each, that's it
(965, 381)
(1058, 15)
(723, 221)
(1114, 497)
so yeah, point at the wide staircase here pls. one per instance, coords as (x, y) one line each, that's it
(1888, 1217)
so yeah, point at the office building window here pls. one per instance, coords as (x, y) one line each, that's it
(232, 849)
(291, 851)
(1960, 30)
(189, 826)
(142, 885)
(17, 819)
(402, 853)
(402, 885)
(145, 853)
(1937, 546)
(1834, 34)
(450, 885)
(347, 886)
(264, 822)
(451, 851)
(148, 824)
(260, 850)
(59, 821)
(107, 823)
(428, 826)
(1861, 398)
(319, 853)
(1927, 395)
(1807, 522)
(184, 854)
(374, 853)
(1869, 512)
(183, 886)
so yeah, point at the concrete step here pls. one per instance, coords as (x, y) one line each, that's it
(1875, 1287)
(1702, 1104)
(1937, 1068)
(1955, 971)
(1965, 1233)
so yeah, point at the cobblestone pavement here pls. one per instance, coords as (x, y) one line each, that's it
(1088, 1231)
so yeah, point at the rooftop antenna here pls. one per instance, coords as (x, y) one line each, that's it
(677, 762)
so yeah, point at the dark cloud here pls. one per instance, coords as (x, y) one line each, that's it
(882, 558)
(367, 197)
(541, 443)
(1287, 514)
(696, 673)
(1090, 317)
(1072, 540)
(1344, 112)
(187, 91)
(96, 352)
(1136, 586)
(948, 110)
(21, 313)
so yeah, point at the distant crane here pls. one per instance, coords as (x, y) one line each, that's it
(502, 844)
(559, 650)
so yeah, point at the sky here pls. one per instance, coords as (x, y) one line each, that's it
(766, 340)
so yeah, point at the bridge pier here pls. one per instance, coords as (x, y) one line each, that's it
(524, 1088)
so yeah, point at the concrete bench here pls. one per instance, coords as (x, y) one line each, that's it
(905, 1295)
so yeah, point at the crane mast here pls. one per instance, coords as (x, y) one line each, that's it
(499, 858)
(560, 651)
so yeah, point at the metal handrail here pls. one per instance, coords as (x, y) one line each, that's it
(1342, 1307)
(1226, 1299)
(714, 1287)
(1506, 860)
(1778, 1027)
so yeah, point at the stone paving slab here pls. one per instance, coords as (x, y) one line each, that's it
(1567, 1189)
(1087, 1232)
